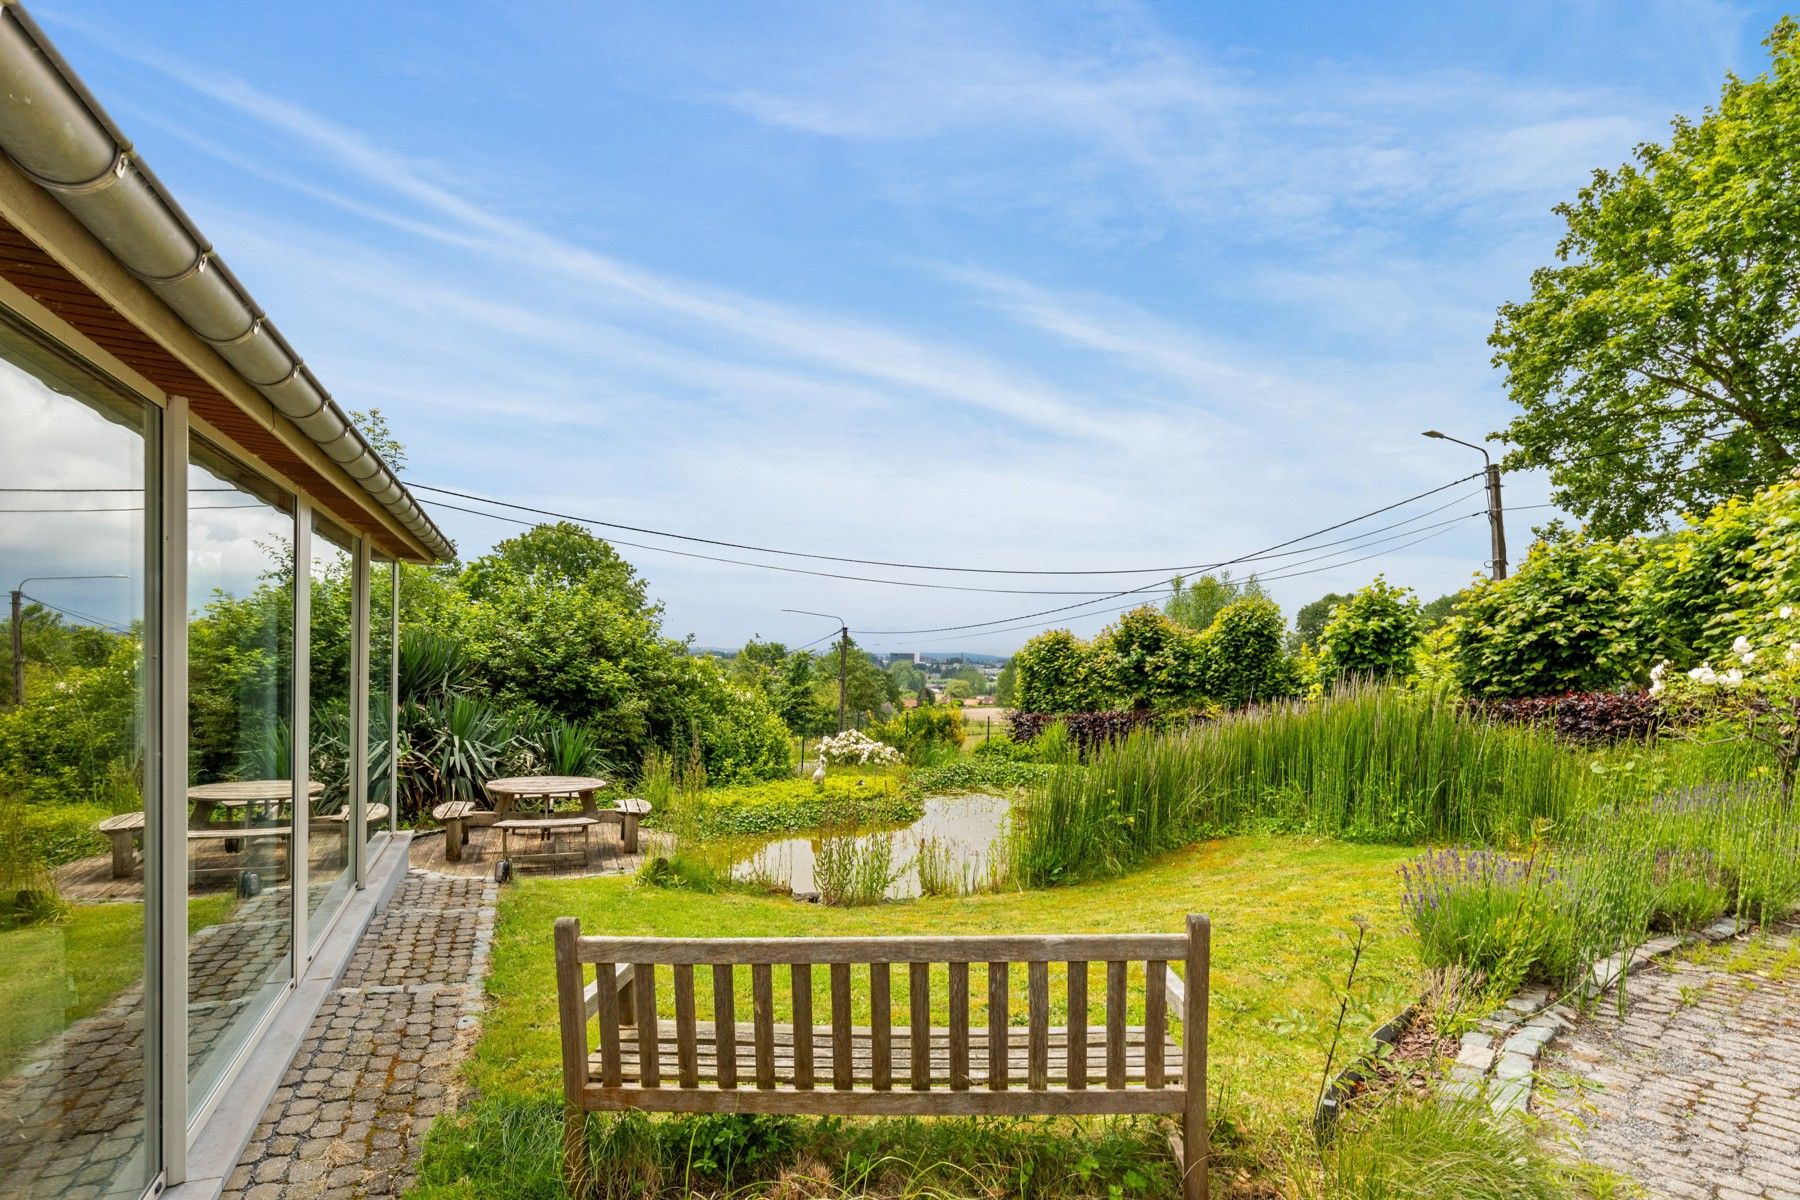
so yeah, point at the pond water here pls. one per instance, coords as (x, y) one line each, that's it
(958, 832)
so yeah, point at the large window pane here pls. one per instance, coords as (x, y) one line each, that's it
(240, 754)
(329, 860)
(381, 700)
(75, 1052)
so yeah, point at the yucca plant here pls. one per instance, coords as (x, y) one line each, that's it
(467, 739)
(431, 665)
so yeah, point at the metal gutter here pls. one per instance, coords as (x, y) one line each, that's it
(58, 135)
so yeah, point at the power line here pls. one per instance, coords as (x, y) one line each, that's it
(1147, 587)
(1128, 607)
(79, 616)
(871, 562)
(744, 562)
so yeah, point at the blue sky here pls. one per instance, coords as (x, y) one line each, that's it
(1011, 285)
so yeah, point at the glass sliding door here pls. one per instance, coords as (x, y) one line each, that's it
(78, 814)
(238, 809)
(383, 808)
(330, 872)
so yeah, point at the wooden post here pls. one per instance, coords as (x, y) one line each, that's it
(1194, 1134)
(573, 1017)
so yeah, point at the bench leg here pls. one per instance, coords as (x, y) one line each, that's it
(453, 840)
(124, 858)
(628, 832)
(577, 1175)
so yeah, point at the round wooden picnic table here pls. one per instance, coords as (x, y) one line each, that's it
(507, 793)
(250, 795)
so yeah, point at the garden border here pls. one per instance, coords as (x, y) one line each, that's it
(1498, 1059)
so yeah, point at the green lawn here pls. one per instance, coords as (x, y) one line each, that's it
(1281, 908)
(53, 975)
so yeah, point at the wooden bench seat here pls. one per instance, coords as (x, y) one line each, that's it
(1024, 1061)
(549, 851)
(126, 833)
(621, 1050)
(454, 816)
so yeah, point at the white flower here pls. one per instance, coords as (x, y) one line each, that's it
(1785, 611)
(1793, 652)
(1732, 678)
(1747, 657)
(1704, 674)
(1658, 671)
(1656, 687)
(1741, 646)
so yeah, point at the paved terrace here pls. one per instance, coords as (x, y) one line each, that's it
(381, 1058)
(1695, 1090)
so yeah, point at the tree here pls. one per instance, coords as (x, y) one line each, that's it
(560, 555)
(1309, 622)
(1372, 634)
(1056, 674)
(1196, 603)
(1149, 661)
(1440, 610)
(1657, 367)
(1006, 689)
(868, 690)
(1243, 655)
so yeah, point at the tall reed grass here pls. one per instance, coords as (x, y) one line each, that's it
(1366, 763)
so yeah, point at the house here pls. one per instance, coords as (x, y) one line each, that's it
(183, 493)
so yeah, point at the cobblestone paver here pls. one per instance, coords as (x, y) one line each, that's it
(380, 1060)
(1695, 1090)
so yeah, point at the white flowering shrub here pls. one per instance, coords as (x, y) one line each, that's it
(1756, 686)
(854, 746)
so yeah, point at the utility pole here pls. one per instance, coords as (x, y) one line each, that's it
(18, 649)
(1496, 517)
(843, 656)
(18, 626)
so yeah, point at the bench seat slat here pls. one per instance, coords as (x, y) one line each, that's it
(1020, 1102)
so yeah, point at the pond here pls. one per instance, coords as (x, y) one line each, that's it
(958, 834)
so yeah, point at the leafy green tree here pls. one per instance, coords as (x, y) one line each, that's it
(972, 677)
(1373, 634)
(1149, 661)
(1565, 621)
(1438, 611)
(1243, 657)
(907, 676)
(1056, 674)
(1006, 687)
(560, 555)
(1657, 366)
(958, 689)
(1197, 602)
(1309, 622)
(868, 688)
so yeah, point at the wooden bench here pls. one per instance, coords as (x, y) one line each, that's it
(618, 1052)
(546, 827)
(126, 831)
(626, 814)
(454, 816)
(240, 839)
(374, 814)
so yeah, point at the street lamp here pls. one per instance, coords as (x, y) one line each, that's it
(843, 654)
(1496, 523)
(18, 635)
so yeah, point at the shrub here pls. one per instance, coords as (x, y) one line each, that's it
(1148, 661)
(1373, 634)
(1509, 918)
(854, 746)
(1086, 729)
(1244, 656)
(1056, 673)
(921, 734)
(792, 805)
(1563, 623)
(977, 773)
(1582, 717)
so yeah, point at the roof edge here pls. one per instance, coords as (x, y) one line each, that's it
(59, 136)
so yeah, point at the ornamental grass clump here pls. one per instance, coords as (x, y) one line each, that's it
(1511, 919)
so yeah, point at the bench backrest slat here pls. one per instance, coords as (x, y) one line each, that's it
(973, 1063)
(1076, 1078)
(777, 951)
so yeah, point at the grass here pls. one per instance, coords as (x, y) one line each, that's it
(56, 974)
(1281, 910)
(1409, 1147)
(852, 870)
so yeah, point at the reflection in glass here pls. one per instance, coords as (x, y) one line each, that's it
(381, 700)
(329, 874)
(240, 756)
(76, 1064)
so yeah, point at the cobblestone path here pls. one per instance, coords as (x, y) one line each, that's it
(1695, 1092)
(380, 1060)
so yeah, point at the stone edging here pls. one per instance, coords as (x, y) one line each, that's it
(1499, 1057)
